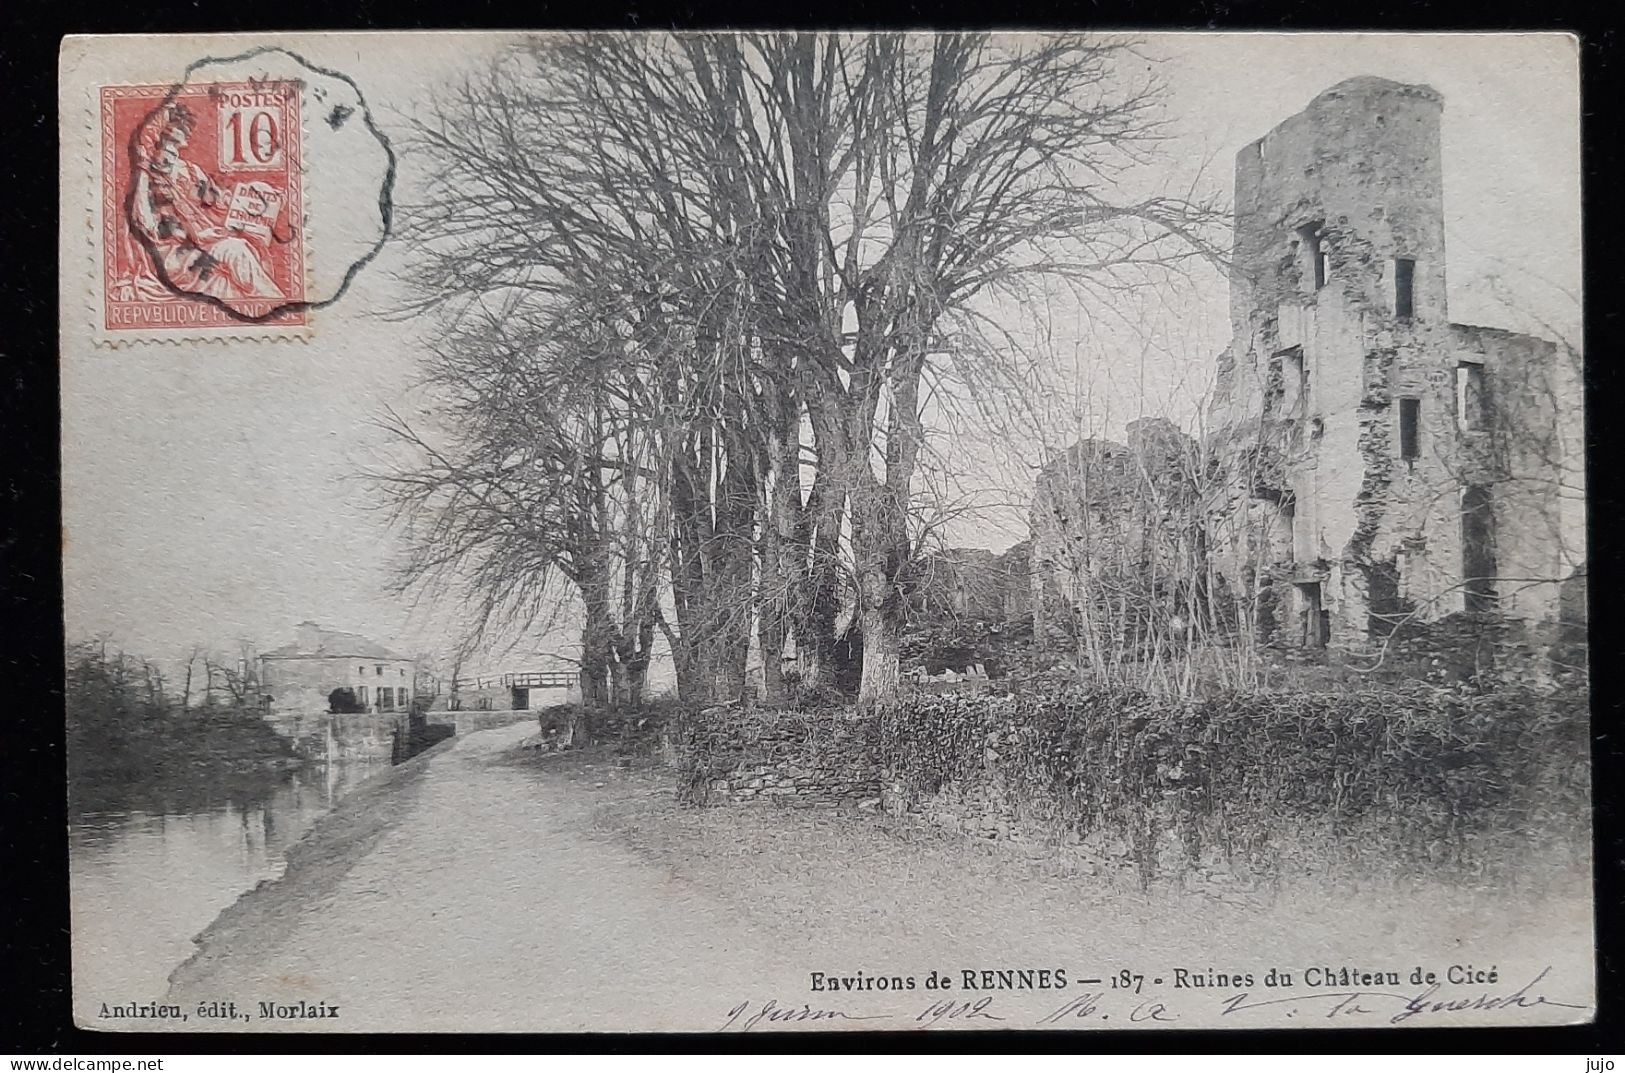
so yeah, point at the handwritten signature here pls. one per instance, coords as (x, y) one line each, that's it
(1086, 1007)
(1354, 1003)
(747, 1015)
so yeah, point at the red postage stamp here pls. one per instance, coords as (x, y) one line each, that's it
(202, 220)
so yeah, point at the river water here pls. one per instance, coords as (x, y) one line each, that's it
(145, 881)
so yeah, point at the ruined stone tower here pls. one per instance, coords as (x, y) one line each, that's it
(1366, 446)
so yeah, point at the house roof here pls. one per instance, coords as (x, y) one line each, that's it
(331, 644)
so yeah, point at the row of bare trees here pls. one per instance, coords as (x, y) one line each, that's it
(690, 296)
(203, 678)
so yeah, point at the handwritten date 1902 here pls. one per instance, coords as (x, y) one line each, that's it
(952, 1010)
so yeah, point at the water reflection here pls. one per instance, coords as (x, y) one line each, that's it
(146, 877)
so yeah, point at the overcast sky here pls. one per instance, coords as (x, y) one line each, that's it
(210, 492)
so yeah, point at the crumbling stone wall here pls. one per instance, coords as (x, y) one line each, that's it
(973, 584)
(1123, 514)
(1527, 463)
(731, 756)
(1481, 649)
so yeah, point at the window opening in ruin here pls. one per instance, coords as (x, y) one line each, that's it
(1315, 622)
(378, 671)
(1478, 548)
(1314, 244)
(1292, 381)
(1404, 287)
(1410, 429)
(1387, 609)
(386, 699)
(1470, 396)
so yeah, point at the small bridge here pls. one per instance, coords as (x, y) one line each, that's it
(512, 691)
(528, 680)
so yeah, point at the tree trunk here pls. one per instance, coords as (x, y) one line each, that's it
(774, 581)
(594, 687)
(682, 660)
(773, 594)
(637, 676)
(881, 545)
(815, 605)
(632, 654)
(730, 569)
(597, 653)
(882, 679)
(692, 573)
(881, 548)
(814, 552)
(771, 636)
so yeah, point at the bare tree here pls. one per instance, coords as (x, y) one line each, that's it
(539, 481)
(239, 677)
(787, 233)
(904, 178)
(590, 248)
(192, 657)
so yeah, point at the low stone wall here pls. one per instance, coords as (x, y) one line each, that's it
(339, 736)
(980, 810)
(468, 721)
(1488, 649)
(1264, 782)
(1367, 781)
(798, 759)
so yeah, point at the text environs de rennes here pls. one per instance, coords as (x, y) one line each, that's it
(944, 980)
(1056, 979)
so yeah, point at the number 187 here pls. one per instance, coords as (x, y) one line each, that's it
(1128, 981)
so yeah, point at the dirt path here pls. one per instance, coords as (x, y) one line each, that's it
(487, 906)
(475, 891)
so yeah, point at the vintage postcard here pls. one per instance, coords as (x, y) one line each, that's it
(825, 531)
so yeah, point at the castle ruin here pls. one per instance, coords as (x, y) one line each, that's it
(1368, 463)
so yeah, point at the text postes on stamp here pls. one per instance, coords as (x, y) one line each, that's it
(201, 206)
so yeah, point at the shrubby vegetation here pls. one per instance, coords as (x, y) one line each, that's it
(133, 744)
(1383, 781)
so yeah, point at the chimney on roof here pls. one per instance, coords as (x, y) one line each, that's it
(308, 635)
